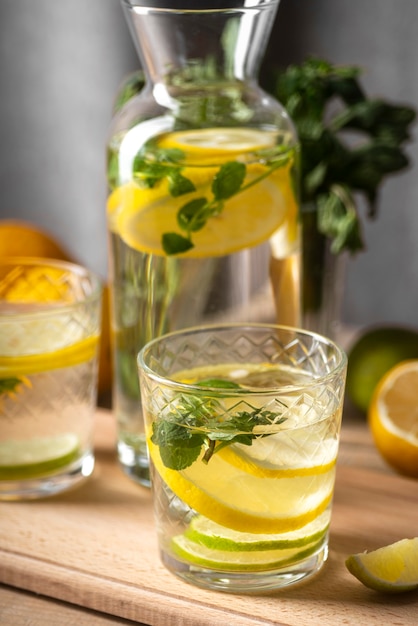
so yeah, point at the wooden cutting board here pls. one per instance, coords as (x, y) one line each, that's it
(96, 547)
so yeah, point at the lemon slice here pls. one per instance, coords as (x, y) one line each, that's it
(75, 354)
(393, 417)
(206, 557)
(141, 215)
(37, 284)
(245, 502)
(215, 144)
(214, 536)
(29, 458)
(391, 569)
(311, 458)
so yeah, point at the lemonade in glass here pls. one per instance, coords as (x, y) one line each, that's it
(242, 424)
(49, 336)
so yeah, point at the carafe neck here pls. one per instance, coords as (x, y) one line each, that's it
(180, 46)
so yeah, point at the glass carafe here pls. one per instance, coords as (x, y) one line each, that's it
(202, 208)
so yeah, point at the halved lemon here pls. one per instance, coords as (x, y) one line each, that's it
(391, 569)
(246, 502)
(29, 458)
(141, 216)
(393, 417)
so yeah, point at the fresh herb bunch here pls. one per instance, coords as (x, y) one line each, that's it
(194, 424)
(349, 144)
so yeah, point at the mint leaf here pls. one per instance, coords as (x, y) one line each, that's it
(191, 216)
(178, 447)
(218, 383)
(173, 243)
(178, 184)
(9, 385)
(195, 424)
(227, 182)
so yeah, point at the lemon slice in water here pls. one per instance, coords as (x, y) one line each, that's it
(29, 458)
(68, 356)
(246, 502)
(142, 216)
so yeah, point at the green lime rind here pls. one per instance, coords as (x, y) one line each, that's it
(228, 561)
(373, 354)
(25, 459)
(210, 534)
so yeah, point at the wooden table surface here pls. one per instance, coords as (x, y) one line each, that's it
(89, 557)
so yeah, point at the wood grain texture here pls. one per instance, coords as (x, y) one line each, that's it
(95, 547)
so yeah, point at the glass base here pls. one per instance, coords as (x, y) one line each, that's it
(134, 463)
(51, 484)
(247, 582)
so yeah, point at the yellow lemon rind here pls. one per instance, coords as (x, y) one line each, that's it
(231, 517)
(398, 448)
(247, 466)
(72, 355)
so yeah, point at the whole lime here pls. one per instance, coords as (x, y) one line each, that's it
(375, 352)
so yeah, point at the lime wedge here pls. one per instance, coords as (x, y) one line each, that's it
(212, 535)
(391, 569)
(30, 458)
(225, 560)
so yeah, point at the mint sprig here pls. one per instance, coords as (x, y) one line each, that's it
(194, 424)
(152, 165)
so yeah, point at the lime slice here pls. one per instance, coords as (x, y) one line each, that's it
(29, 458)
(193, 552)
(214, 536)
(391, 569)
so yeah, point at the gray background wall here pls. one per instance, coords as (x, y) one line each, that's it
(61, 63)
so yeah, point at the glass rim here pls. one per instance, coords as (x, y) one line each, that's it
(337, 369)
(42, 309)
(204, 5)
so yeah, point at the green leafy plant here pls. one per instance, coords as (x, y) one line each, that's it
(349, 144)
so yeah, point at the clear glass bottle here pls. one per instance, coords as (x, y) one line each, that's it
(203, 174)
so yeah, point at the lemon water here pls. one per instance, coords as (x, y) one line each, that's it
(243, 259)
(47, 391)
(258, 508)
